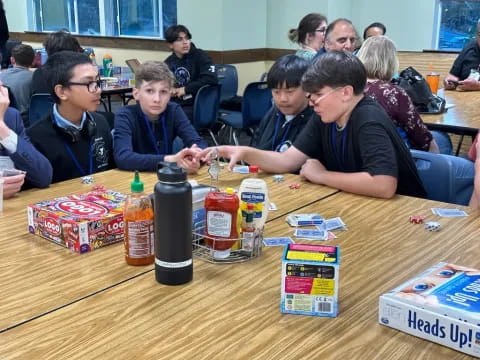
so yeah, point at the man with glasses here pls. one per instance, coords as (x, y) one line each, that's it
(351, 145)
(192, 67)
(75, 138)
(465, 72)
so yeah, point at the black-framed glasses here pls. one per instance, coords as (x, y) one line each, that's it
(92, 86)
(322, 30)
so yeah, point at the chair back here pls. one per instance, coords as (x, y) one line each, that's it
(438, 173)
(205, 107)
(227, 77)
(40, 106)
(257, 100)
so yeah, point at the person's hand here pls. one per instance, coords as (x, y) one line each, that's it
(468, 85)
(234, 153)
(186, 158)
(312, 171)
(12, 185)
(178, 92)
(4, 101)
(448, 82)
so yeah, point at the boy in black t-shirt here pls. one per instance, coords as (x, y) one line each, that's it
(353, 146)
(73, 137)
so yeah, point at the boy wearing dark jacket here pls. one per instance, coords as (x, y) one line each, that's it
(75, 138)
(290, 113)
(192, 67)
(144, 132)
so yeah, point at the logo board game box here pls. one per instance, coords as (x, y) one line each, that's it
(441, 305)
(310, 280)
(82, 222)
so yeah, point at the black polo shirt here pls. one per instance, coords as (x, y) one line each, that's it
(468, 59)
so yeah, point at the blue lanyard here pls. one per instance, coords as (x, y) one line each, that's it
(80, 169)
(277, 128)
(152, 135)
(339, 159)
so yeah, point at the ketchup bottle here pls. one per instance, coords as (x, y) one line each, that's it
(221, 225)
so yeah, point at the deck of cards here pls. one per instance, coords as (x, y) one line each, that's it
(449, 212)
(332, 224)
(304, 219)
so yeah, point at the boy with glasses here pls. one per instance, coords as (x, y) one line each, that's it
(353, 146)
(144, 132)
(192, 67)
(75, 138)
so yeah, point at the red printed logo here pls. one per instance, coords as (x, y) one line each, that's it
(82, 208)
(52, 226)
(115, 226)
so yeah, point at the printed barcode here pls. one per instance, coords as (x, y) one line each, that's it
(324, 307)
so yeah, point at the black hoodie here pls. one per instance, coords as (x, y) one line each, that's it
(192, 71)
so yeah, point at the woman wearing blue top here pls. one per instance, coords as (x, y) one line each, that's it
(144, 132)
(309, 35)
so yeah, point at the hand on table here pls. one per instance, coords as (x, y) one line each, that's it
(447, 82)
(468, 85)
(186, 158)
(12, 185)
(312, 171)
(234, 153)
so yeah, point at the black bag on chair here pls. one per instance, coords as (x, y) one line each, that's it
(417, 88)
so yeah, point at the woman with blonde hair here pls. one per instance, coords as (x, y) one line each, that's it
(379, 56)
(309, 35)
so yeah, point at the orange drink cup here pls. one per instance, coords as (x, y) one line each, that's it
(433, 79)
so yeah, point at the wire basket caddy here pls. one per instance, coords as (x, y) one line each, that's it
(241, 251)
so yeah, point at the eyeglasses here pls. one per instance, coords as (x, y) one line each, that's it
(92, 86)
(322, 30)
(316, 98)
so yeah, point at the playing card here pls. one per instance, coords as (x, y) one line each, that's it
(304, 219)
(272, 207)
(277, 241)
(241, 169)
(449, 212)
(334, 224)
(311, 234)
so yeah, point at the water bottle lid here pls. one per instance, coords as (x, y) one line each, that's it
(170, 172)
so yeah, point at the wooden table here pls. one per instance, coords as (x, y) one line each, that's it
(232, 311)
(39, 276)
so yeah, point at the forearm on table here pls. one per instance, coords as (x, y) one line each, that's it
(270, 161)
(362, 183)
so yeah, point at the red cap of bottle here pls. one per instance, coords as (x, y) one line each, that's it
(249, 206)
(253, 169)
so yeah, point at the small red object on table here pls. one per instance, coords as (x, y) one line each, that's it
(417, 219)
(294, 186)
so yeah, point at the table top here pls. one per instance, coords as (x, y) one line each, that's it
(232, 311)
(464, 117)
(112, 90)
(39, 276)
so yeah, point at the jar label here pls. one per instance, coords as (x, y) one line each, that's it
(219, 223)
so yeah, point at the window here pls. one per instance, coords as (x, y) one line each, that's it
(458, 23)
(142, 18)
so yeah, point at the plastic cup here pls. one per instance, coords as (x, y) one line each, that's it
(1, 195)
(433, 81)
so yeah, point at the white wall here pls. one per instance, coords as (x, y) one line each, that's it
(16, 13)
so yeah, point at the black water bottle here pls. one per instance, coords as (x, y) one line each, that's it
(173, 226)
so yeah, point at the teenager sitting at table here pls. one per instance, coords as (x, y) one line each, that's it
(464, 74)
(281, 125)
(53, 43)
(352, 145)
(191, 67)
(144, 132)
(379, 56)
(75, 138)
(309, 35)
(17, 152)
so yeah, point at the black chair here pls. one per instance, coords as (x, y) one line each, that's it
(205, 109)
(257, 100)
(40, 106)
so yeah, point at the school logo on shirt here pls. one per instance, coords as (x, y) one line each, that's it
(101, 153)
(182, 75)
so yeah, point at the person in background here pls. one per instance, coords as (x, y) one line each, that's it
(309, 35)
(17, 152)
(144, 132)
(192, 67)
(290, 113)
(19, 78)
(353, 146)
(4, 36)
(73, 137)
(340, 35)
(379, 56)
(374, 29)
(465, 72)
(53, 43)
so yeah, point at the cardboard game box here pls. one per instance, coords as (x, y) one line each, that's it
(441, 305)
(81, 222)
(310, 280)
